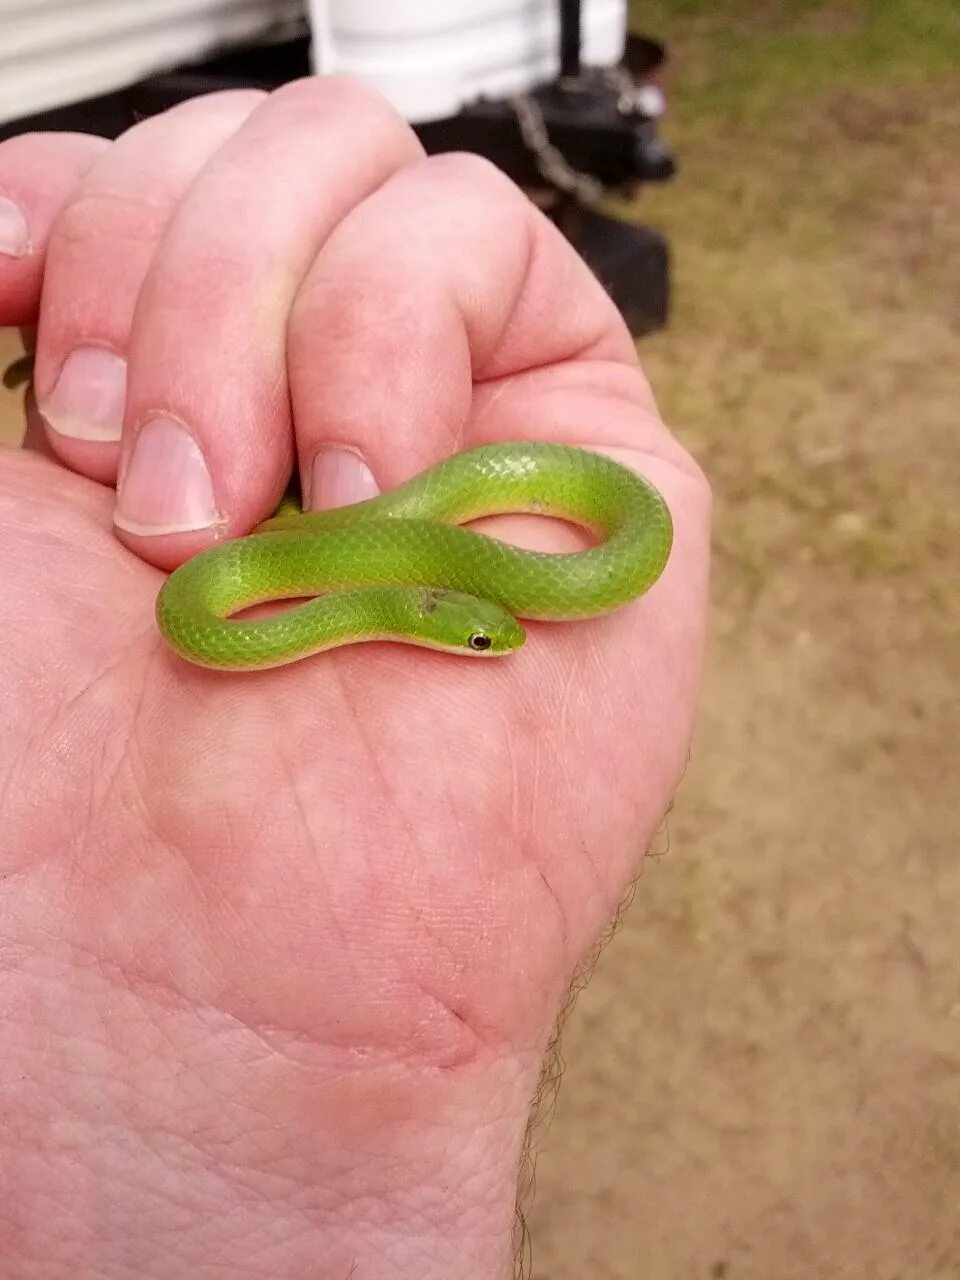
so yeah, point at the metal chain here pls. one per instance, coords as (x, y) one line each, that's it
(552, 164)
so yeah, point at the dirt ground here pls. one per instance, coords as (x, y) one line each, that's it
(762, 1078)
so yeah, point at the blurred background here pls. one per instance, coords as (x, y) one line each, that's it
(762, 1078)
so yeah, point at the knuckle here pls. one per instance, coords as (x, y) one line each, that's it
(225, 100)
(342, 96)
(100, 216)
(466, 169)
(11, 149)
(43, 162)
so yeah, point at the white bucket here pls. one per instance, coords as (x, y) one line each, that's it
(432, 57)
(429, 57)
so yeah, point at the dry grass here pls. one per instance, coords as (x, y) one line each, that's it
(812, 359)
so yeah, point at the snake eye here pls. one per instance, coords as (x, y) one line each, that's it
(478, 641)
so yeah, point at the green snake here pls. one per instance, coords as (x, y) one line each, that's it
(400, 566)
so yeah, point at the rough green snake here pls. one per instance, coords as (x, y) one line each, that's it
(400, 567)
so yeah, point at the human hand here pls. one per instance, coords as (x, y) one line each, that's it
(281, 953)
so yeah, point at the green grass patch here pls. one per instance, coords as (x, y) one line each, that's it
(810, 361)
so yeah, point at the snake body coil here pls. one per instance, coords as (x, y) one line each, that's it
(399, 566)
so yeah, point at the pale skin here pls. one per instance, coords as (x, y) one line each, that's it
(280, 953)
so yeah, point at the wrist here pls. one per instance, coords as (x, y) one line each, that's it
(224, 1151)
(395, 1173)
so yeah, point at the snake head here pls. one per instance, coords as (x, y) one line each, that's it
(461, 623)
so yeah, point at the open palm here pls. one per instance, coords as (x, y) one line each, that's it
(268, 939)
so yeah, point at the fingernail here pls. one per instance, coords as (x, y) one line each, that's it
(339, 477)
(87, 399)
(166, 487)
(14, 234)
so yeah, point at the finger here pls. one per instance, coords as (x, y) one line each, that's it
(100, 249)
(210, 446)
(447, 277)
(38, 171)
(445, 312)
